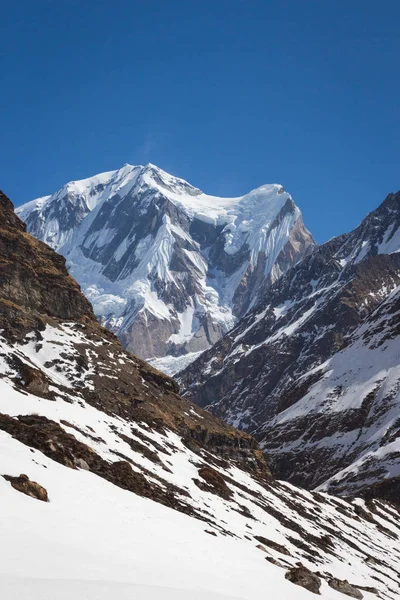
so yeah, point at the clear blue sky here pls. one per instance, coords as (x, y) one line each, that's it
(228, 94)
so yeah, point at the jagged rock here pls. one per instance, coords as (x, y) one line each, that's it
(365, 514)
(26, 486)
(368, 588)
(48, 437)
(345, 587)
(305, 578)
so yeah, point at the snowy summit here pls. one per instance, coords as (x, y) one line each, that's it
(169, 268)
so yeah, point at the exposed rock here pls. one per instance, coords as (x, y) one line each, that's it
(368, 588)
(26, 486)
(388, 489)
(48, 437)
(34, 380)
(210, 532)
(305, 578)
(35, 283)
(271, 544)
(345, 587)
(215, 482)
(80, 463)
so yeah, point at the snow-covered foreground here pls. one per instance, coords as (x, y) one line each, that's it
(94, 540)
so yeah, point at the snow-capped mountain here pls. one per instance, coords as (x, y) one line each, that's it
(112, 485)
(314, 371)
(168, 268)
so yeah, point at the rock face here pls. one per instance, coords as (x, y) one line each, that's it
(34, 281)
(168, 268)
(313, 371)
(115, 436)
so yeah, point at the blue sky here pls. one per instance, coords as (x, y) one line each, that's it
(228, 94)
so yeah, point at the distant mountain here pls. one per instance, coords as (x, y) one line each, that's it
(314, 371)
(113, 486)
(168, 268)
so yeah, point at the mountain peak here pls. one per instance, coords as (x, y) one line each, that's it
(168, 267)
(150, 165)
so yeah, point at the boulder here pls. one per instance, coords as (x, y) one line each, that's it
(26, 486)
(215, 483)
(305, 578)
(34, 380)
(345, 587)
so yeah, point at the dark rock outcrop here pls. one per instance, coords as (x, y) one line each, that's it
(34, 380)
(34, 282)
(271, 544)
(214, 482)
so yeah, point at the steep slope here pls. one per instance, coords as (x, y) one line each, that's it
(358, 399)
(149, 496)
(168, 268)
(313, 372)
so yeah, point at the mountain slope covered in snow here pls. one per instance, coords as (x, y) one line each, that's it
(313, 372)
(168, 268)
(113, 485)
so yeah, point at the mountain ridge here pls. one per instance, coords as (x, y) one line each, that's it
(306, 335)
